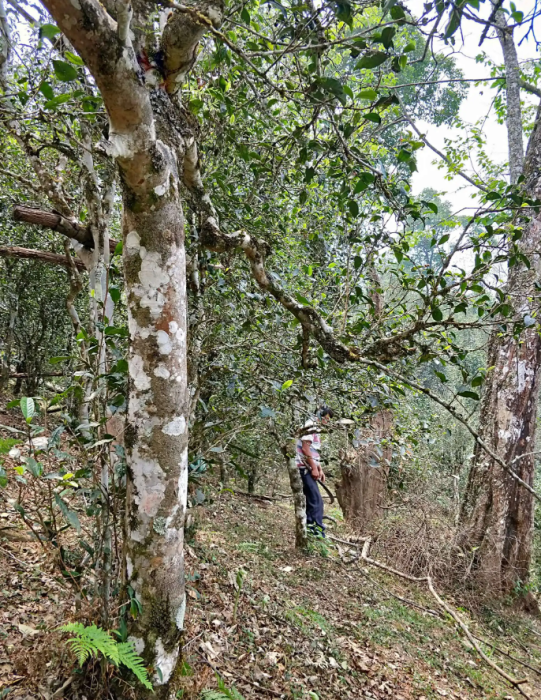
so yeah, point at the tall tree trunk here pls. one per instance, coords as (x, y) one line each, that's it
(496, 519)
(362, 490)
(156, 434)
(149, 138)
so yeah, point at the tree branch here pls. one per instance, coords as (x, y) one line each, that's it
(530, 88)
(56, 222)
(39, 255)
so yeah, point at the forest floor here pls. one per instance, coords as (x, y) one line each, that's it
(290, 626)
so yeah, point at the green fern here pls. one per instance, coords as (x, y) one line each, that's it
(223, 692)
(129, 658)
(91, 641)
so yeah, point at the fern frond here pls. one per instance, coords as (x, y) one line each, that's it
(128, 657)
(91, 641)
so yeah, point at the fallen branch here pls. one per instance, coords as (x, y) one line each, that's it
(257, 496)
(516, 683)
(513, 681)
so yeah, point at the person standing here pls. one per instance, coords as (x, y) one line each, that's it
(308, 461)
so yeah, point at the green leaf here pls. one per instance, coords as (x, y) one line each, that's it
(443, 239)
(64, 71)
(372, 60)
(35, 468)
(245, 15)
(398, 13)
(410, 46)
(58, 100)
(114, 293)
(118, 248)
(27, 408)
(353, 207)
(287, 384)
(58, 359)
(368, 94)
(48, 31)
(69, 515)
(388, 6)
(404, 155)
(373, 117)
(73, 58)
(437, 314)
(46, 90)
(468, 394)
(387, 36)
(454, 23)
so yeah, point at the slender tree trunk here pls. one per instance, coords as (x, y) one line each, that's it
(496, 520)
(362, 490)
(9, 340)
(512, 90)
(156, 434)
(299, 501)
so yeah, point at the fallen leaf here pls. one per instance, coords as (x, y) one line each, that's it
(27, 631)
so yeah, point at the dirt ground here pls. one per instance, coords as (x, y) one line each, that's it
(268, 621)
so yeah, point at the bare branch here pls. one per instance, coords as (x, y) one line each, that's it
(39, 255)
(530, 88)
(56, 222)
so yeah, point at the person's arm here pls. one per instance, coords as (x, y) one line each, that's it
(307, 452)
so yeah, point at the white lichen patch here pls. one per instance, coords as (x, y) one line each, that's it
(160, 190)
(164, 343)
(129, 567)
(165, 661)
(133, 242)
(162, 372)
(149, 482)
(181, 612)
(140, 378)
(138, 643)
(524, 373)
(175, 427)
(183, 479)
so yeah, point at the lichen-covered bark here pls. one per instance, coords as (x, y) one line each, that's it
(156, 434)
(148, 138)
(512, 89)
(496, 520)
(362, 489)
(497, 513)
